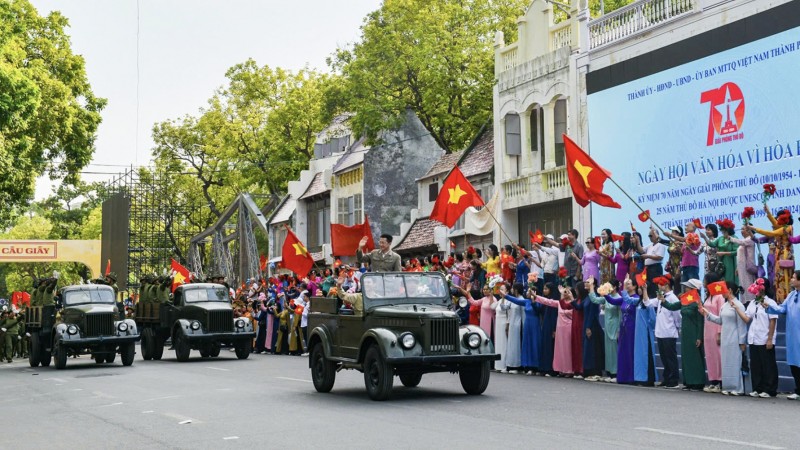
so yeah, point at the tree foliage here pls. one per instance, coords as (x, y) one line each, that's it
(435, 57)
(48, 112)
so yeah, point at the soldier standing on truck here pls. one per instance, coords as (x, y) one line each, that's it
(381, 259)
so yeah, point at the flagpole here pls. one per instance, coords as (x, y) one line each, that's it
(637, 205)
(488, 210)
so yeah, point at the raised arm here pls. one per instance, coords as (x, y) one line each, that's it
(547, 301)
(616, 301)
(515, 300)
(629, 299)
(597, 299)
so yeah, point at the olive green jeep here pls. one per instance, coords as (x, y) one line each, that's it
(403, 327)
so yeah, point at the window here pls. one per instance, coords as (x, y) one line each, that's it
(280, 238)
(537, 137)
(349, 210)
(560, 122)
(319, 223)
(513, 143)
(433, 191)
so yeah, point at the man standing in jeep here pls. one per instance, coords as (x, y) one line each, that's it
(381, 259)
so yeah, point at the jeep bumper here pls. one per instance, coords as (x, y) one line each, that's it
(223, 337)
(101, 340)
(443, 359)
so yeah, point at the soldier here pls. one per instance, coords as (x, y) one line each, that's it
(163, 290)
(36, 298)
(47, 290)
(22, 343)
(144, 284)
(10, 328)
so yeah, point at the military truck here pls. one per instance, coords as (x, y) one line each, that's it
(198, 316)
(405, 329)
(83, 321)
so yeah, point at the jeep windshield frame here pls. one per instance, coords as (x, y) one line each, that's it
(88, 295)
(205, 294)
(399, 288)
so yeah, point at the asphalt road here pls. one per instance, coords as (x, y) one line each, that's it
(268, 401)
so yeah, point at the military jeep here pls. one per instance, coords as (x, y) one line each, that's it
(406, 330)
(198, 316)
(85, 321)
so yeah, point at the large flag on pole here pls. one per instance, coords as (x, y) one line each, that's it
(295, 255)
(586, 177)
(345, 239)
(108, 268)
(456, 195)
(180, 274)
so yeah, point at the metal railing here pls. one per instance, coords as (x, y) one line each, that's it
(634, 18)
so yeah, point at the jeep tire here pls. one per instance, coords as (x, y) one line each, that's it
(148, 342)
(158, 346)
(213, 350)
(243, 348)
(378, 376)
(127, 352)
(181, 344)
(111, 357)
(474, 378)
(60, 355)
(411, 379)
(35, 355)
(323, 372)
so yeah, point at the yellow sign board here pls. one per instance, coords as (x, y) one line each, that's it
(86, 252)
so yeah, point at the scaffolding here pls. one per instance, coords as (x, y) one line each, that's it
(153, 238)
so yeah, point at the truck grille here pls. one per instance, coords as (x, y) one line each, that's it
(100, 324)
(444, 336)
(220, 321)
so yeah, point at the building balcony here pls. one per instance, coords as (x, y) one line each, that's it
(541, 187)
(636, 18)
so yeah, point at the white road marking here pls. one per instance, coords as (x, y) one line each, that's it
(185, 422)
(230, 438)
(55, 379)
(293, 379)
(709, 438)
(147, 412)
(217, 368)
(112, 404)
(77, 389)
(160, 398)
(225, 389)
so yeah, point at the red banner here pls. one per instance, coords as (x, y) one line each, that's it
(345, 239)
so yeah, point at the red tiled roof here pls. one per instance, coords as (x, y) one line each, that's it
(444, 164)
(316, 187)
(420, 235)
(480, 158)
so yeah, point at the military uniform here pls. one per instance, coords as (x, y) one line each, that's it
(10, 329)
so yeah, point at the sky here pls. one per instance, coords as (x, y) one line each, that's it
(184, 50)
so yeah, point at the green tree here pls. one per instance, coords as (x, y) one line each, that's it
(435, 57)
(48, 112)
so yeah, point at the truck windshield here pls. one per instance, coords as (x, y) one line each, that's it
(79, 297)
(205, 295)
(410, 287)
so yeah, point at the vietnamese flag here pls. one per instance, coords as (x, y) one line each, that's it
(180, 274)
(697, 223)
(644, 216)
(641, 279)
(536, 238)
(108, 267)
(586, 177)
(718, 288)
(617, 237)
(345, 239)
(456, 195)
(262, 263)
(295, 255)
(689, 297)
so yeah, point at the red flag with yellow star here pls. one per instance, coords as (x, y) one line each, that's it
(586, 177)
(689, 297)
(180, 274)
(295, 255)
(718, 288)
(456, 195)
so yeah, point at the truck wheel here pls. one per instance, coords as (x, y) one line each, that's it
(35, 355)
(378, 376)
(147, 344)
(99, 359)
(60, 356)
(474, 378)
(110, 358)
(182, 349)
(323, 372)
(158, 347)
(204, 353)
(127, 353)
(243, 349)
(410, 379)
(44, 356)
(213, 351)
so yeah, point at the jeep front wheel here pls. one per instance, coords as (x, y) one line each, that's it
(323, 372)
(158, 346)
(60, 355)
(34, 357)
(378, 376)
(243, 349)
(182, 349)
(474, 378)
(127, 352)
(147, 344)
(410, 379)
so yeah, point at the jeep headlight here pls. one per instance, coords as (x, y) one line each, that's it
(473, 340)
(408, 341)
(122, 327)
(72, 329)
(462, 302)
(240, 323)
(195, 325)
